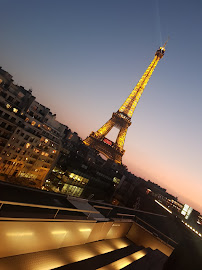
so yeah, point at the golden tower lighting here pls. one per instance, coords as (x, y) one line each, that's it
(122, 118)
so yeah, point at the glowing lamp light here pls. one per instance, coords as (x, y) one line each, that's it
(28, 145)
(85, 230)
(58, 232)
(163, 206)
(20, 234)
(107, 141)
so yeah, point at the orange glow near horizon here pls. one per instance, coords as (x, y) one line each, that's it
(176, 181)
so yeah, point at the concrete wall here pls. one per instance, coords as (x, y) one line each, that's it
(27, 237)
(142, 237)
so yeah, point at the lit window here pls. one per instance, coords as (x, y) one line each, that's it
(39, 125)
(15, 110)
(20, 94)
(8, 106)
(36, 150)
(46, 154)
(54, 151)
(34, 108)
(43, 153)
(18, 150)
(46, 140)
(33, 123)
(28, 145)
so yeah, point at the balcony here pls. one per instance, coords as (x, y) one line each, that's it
(85, 234)
(44, 230)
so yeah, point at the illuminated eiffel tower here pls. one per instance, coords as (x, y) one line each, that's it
(122, 118)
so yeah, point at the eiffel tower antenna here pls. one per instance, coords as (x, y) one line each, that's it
(164, 45)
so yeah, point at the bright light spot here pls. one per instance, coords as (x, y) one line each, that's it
(85, 230)
(117, 265)
(20, 234)
(193, 229)
(28, 145)
(58, 232)
(163, 206)
(15, 110)
(118, 243)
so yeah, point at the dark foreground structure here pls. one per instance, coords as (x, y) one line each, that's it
(43, 230)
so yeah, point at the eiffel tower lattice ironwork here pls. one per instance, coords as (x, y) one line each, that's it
(122, 118)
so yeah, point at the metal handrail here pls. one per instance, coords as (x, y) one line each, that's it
(121, 214)
(145, 212)
(131, 209)
(128, 215)
(47, 207)
(156, 230)
(102, 207)
(47, 219)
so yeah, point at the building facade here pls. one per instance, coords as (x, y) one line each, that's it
(30, 135)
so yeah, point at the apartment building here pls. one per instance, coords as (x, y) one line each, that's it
(30, 135)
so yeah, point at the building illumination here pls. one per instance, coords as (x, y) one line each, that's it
(121, 118)
(199, 234)
(163, 206)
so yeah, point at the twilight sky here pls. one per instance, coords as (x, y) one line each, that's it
(83, 58)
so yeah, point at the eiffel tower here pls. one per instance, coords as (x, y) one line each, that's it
(122, 118)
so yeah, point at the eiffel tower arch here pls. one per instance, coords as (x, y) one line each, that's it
(122, 118)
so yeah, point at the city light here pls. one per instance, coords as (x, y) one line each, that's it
(186, 211)
(15, 110)
(190, 227)
(163, 206)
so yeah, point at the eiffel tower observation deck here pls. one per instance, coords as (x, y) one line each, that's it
(122, 118)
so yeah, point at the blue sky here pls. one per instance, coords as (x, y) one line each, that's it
(83, 58)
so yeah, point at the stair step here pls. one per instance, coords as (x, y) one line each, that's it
(154, 260)
(102, 260)
(121, 263)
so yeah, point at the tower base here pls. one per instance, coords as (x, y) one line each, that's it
(112, 152)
